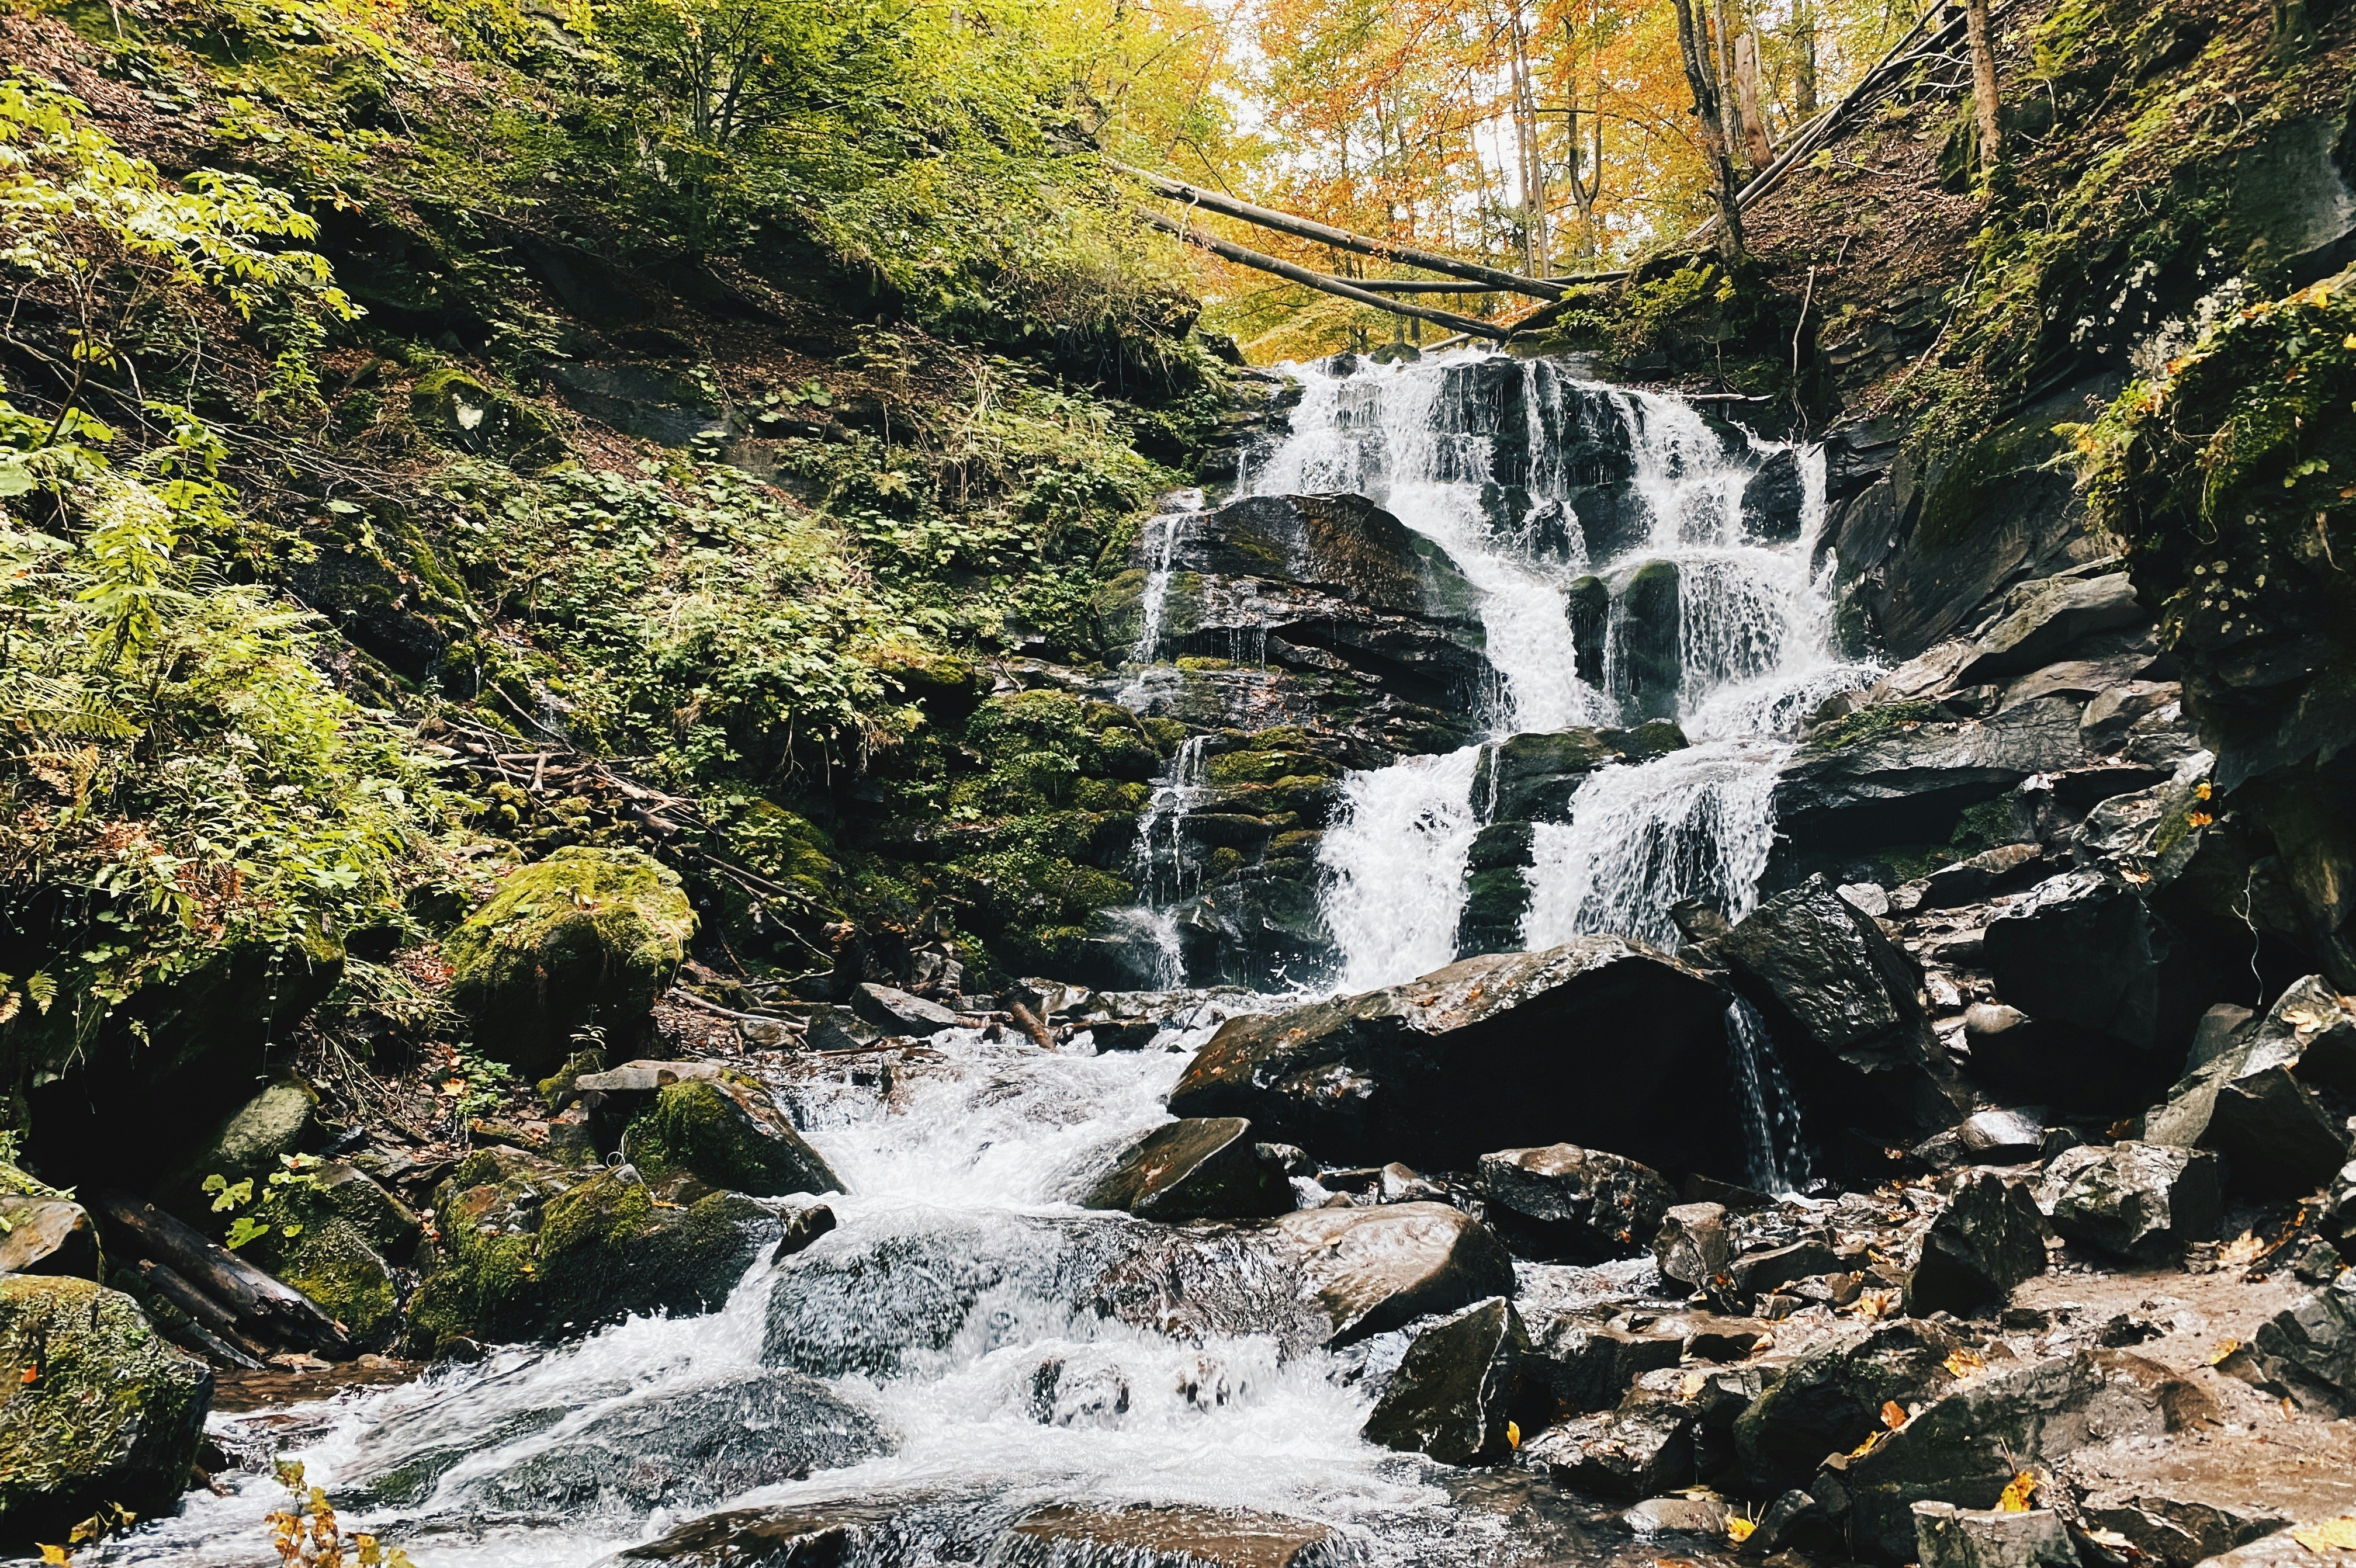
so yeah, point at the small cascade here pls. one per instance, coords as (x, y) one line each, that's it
(1394, 864)
(1164, 532)
(1164, 873)
(1774, 1147)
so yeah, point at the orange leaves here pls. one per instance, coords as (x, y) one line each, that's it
(2019, 1491)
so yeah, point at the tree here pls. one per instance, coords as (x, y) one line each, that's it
(1709, 111)
(1984, 102)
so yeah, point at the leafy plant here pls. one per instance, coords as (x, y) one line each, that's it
(270, 1211)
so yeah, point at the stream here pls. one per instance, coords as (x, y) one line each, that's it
(926, 1360)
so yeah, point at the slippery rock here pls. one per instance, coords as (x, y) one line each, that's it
(588, 935)
(1830, 1399)
(2114, 988)
(1167, 1535)
(1646, 660)
(2057, 612)
(1523, 1049)
(2255, 1102)
(728, 1135)
(1590, 1367)
(1948, 1537)
(1839, 997)
(1371, 1270)
(99, 1409)
(1449, 1397)
(896, 1012)
(1987, 1239)
(2146, 1202)
(2308, 1348)
(1207, 1168)
(1643, 1447)
(1574, 1205)
(1966, 1446)
(1692, 1246)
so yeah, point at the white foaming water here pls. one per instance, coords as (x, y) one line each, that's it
(1774, 1145)
(961, 1181)
(1395, 863)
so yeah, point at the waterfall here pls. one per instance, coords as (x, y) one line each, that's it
(1395, 862)
(1774, 1149)
(1164, 873)
(1164, 532)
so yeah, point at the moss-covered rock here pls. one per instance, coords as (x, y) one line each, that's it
(248, 1144)
(588, 935)
(350, 1232)
(530, 1249)
(726, 1135)
(459, 409)
(94, 1407)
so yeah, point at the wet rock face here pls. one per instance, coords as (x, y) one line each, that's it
(1830, 1399)
(1647, 667)
(1449, 1397)
(1840, 998)
(1205, 1170)
(730, 1137)
(1988, 1240)
(2309, 1349)
(1163, 1536)
(2257, 1101)
(99, 1409)
(1371, 1270)
(48, 1235)
(1529, 1049)
(1567, 1204)
(1325, 581)
(2146, 1202)
(1643, 1448)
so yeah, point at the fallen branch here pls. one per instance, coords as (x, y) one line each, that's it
(680, 994)
(1319, 280)
(214, 1325)
(259, 1300)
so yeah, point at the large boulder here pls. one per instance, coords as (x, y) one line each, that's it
(1830, 1399)
(1646, 658)
(1640, 1450)
(1840, 998)
(530, 1249)
(1988, 1238)
(1371, 1270)
(1532, 776)
(1967, 1446)
(350, 1234)
(1450, 1397)
(1522, 1049)
(2116, 988)
(1568, 1204)
(1201, 1169)
(2257, 1102)
(2308, 1348)
(1586, 1366)
(99, 1409)
(2047, 617)
(2140, 1201)
(247, 1145)
(587, 937)
(730, 1136)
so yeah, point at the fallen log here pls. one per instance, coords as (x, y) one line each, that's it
(1340, 238)
(212, 1321)
(1319, 280)
(260, 1301)
(1028, 1022)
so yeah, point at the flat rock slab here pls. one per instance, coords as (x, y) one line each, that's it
(1204, 1168)
(1371, 1270)
(1168, 1536)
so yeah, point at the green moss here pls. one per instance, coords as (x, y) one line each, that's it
(332, 1263)
(1867, 723)
(586, 935)
(726, 1135)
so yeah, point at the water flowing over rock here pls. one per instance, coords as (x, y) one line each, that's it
(1525, 1048)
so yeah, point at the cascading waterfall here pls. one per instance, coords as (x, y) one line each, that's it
(1774, 1145)
(1396, 861)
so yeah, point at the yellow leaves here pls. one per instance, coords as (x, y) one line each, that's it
(57, 1555)
(1514, 1434)
(1738, 1528)
(2201, 790)
(1964, 1363)
(1893, 1415)
(31, 1376)
(2017, 1492)
(2225, 1349)
(2198, 820)
(2350, 341)
(2242, 1249)
(1862, 1449)
(1877, 1303)
(2328, 1535)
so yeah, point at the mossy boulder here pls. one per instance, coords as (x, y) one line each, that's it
(94, 1407)
(249, 1143)
(588, 935)
(458, 409)
(349, 1233)
(728, 1136)
(528, 1249)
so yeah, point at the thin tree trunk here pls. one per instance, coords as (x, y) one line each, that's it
(1760, 150)
(1693, 43)
(1975, 23)
(1803, 60)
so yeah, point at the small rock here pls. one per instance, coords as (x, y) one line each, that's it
(1372, 1270)
(1198, 1169)
(1122, 1034)
(731, 1136)
(1448, 1397)
(1676, 1516)
(766, 1034)
(2000, 1137)
(1400, 1184)
(1950, 1537)
(803, 1226)
(1865, 898)
(1830, 1399)
(2218, 1032)
(2318, 1262)
(2140, 1201)
(1575, 1205)
(839, 1028)
(1645, 1448)
(1755, 1273)
(1166, 1535)
(48, 1235)
(1988, 1238)
(1692, 1247)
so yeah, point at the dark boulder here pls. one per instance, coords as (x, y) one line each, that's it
(1646, 659)
(1755, 1273)
(1372, 1270)
(1208, 1169)
(1640, 1450)
(2140, 1201)
(896, 1012)
(1588, 605)
(1534, 775)
(99, 1409)
(1968, 1444)
(1574, 1205)
(1692, 1246)
(1451, 1397)
(1523, 1049)
(2116, 988)
(1774, 498)
(2256, 1103)
(1839, 997)
(2308, 1348)
(2045, 619)
(1830, 1399)
(1988, 1238)
(1586, 1366)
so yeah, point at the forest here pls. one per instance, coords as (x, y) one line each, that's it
(1189, 783)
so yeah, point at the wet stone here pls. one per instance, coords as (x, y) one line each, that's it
(1198, 1169)
(1449, 1397)
(1163, 1536)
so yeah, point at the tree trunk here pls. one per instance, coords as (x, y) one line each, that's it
(1755, 144)
(1692, 45)
(2287, 27)
(1975, 13)
(1803, 60)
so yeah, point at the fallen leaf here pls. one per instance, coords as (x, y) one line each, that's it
(32, 1375)
(1893, 1415)
(2225, 1348)
(2017, 1493)
(2244, 1248)
(1513, 1435)
(1862, 1449)
(56, 1554)
(1738, 1528)
(2328, 1535)
(1966, 1363)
